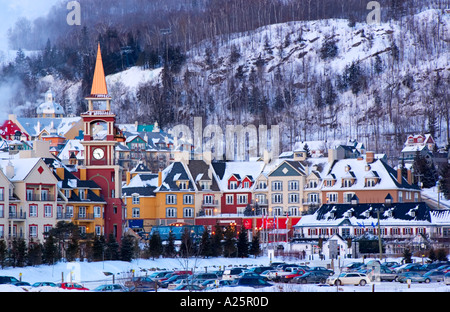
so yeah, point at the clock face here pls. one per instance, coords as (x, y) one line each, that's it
(98, 153)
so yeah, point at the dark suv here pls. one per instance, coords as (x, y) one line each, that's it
(8, 280)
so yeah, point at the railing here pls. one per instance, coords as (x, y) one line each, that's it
(64, 216)
(37, 197)
(17, 216)
(84, 216)
(210, 203)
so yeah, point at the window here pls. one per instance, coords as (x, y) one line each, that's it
(233, 185)
(188, 212)
(183, 185)
(82, 212)
(67, 193)
(136, 212)
(48, 211)
(82, 194)
(277, 186)
(348, 197)
(69, 211)
(242, 199)
(2, 211)
(44, 195)
(400, 196)
(33, 210)
(47, 228)
(97, 212)
(332, 197)
(135, 200)
(188, 199)
(293, 185)
(30, 194)
(312, 184)
(208, 199)
(277, 198)
(347, 182)
(313, 198)
(2, 231)
(171, 212)
(293, 211)
(33, 230)
(229, 199)
(278, 211)
(293, 198)
(246, 184)
(205, 185)
(261, 199)
(2, 194)
(262, 185)
(416, 196)
(171, 199)
(371, 182)
(98, 230)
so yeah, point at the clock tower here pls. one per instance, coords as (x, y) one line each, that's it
(99, 143)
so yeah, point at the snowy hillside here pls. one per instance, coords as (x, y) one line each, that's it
(318, 80)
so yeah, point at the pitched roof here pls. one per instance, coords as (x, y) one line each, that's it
(200, 172)
(367, 214)
(99, 87)
(224, 170)
(173, 173)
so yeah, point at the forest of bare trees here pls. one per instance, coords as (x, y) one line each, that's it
(391, 93)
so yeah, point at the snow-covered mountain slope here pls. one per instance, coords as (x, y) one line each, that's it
(318, 80)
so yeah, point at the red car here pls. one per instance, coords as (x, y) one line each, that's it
(287, 278)
(72, 286)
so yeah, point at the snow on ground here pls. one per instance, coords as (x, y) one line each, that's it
(91, 275)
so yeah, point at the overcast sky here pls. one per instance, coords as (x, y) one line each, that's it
(11, 10)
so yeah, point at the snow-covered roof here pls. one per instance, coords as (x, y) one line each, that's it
(224, 170)
(22, 167)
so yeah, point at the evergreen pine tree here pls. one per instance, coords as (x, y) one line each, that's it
(50, 255)
(34, 253)
(255, 248)
(127, 248)
(3, 253)
(205, 247)
(444, 181)
(155, 247)
(112, 248)
(98, 248)
(216, 239)
(307, 150)
(407, 256)
(242, 243)
(229, 245)
(169, 249)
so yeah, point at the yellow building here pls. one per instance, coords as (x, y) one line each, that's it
(84, 205)
(140, 200)
(175, 196)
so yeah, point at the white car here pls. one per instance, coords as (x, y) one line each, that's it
(447, 278)
(349, 278)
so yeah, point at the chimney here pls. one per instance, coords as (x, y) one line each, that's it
(83, 176)
(399, 175)
(128, 174)
(410, 177)
(10, 170)
(266, 157)
(159, 178)
(370, 157)
(332, 155)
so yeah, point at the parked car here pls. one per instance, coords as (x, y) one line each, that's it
(413, 276)
(321, 270)
(435, 275)
(349, 278)
(412, 267)
(41, 284)
(254, 282)
(189, 287)
(248, 274)
(158, 275)
(165, 284)
(20, 283)
(231, 274)
(111, 288)
(177, 283)
(72, 286)
(352, 266)
(286, 278)
(260, 269)
(214, 283)
(270, 274)
(311, 277)
(142, 284)
(447, 278)
(385, 274)
(8, 280)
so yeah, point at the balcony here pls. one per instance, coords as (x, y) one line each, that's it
(15, 216)
(64, 216)
(310, 202)
(210, 203)
(84, 217)
(37, 197)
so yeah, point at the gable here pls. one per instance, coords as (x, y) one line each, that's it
(284, 170)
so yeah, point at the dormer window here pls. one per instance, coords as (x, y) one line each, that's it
(371, 182)
(246, 184)
(206, 185)
(233, 185)
(347, 182)
(183, 185)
